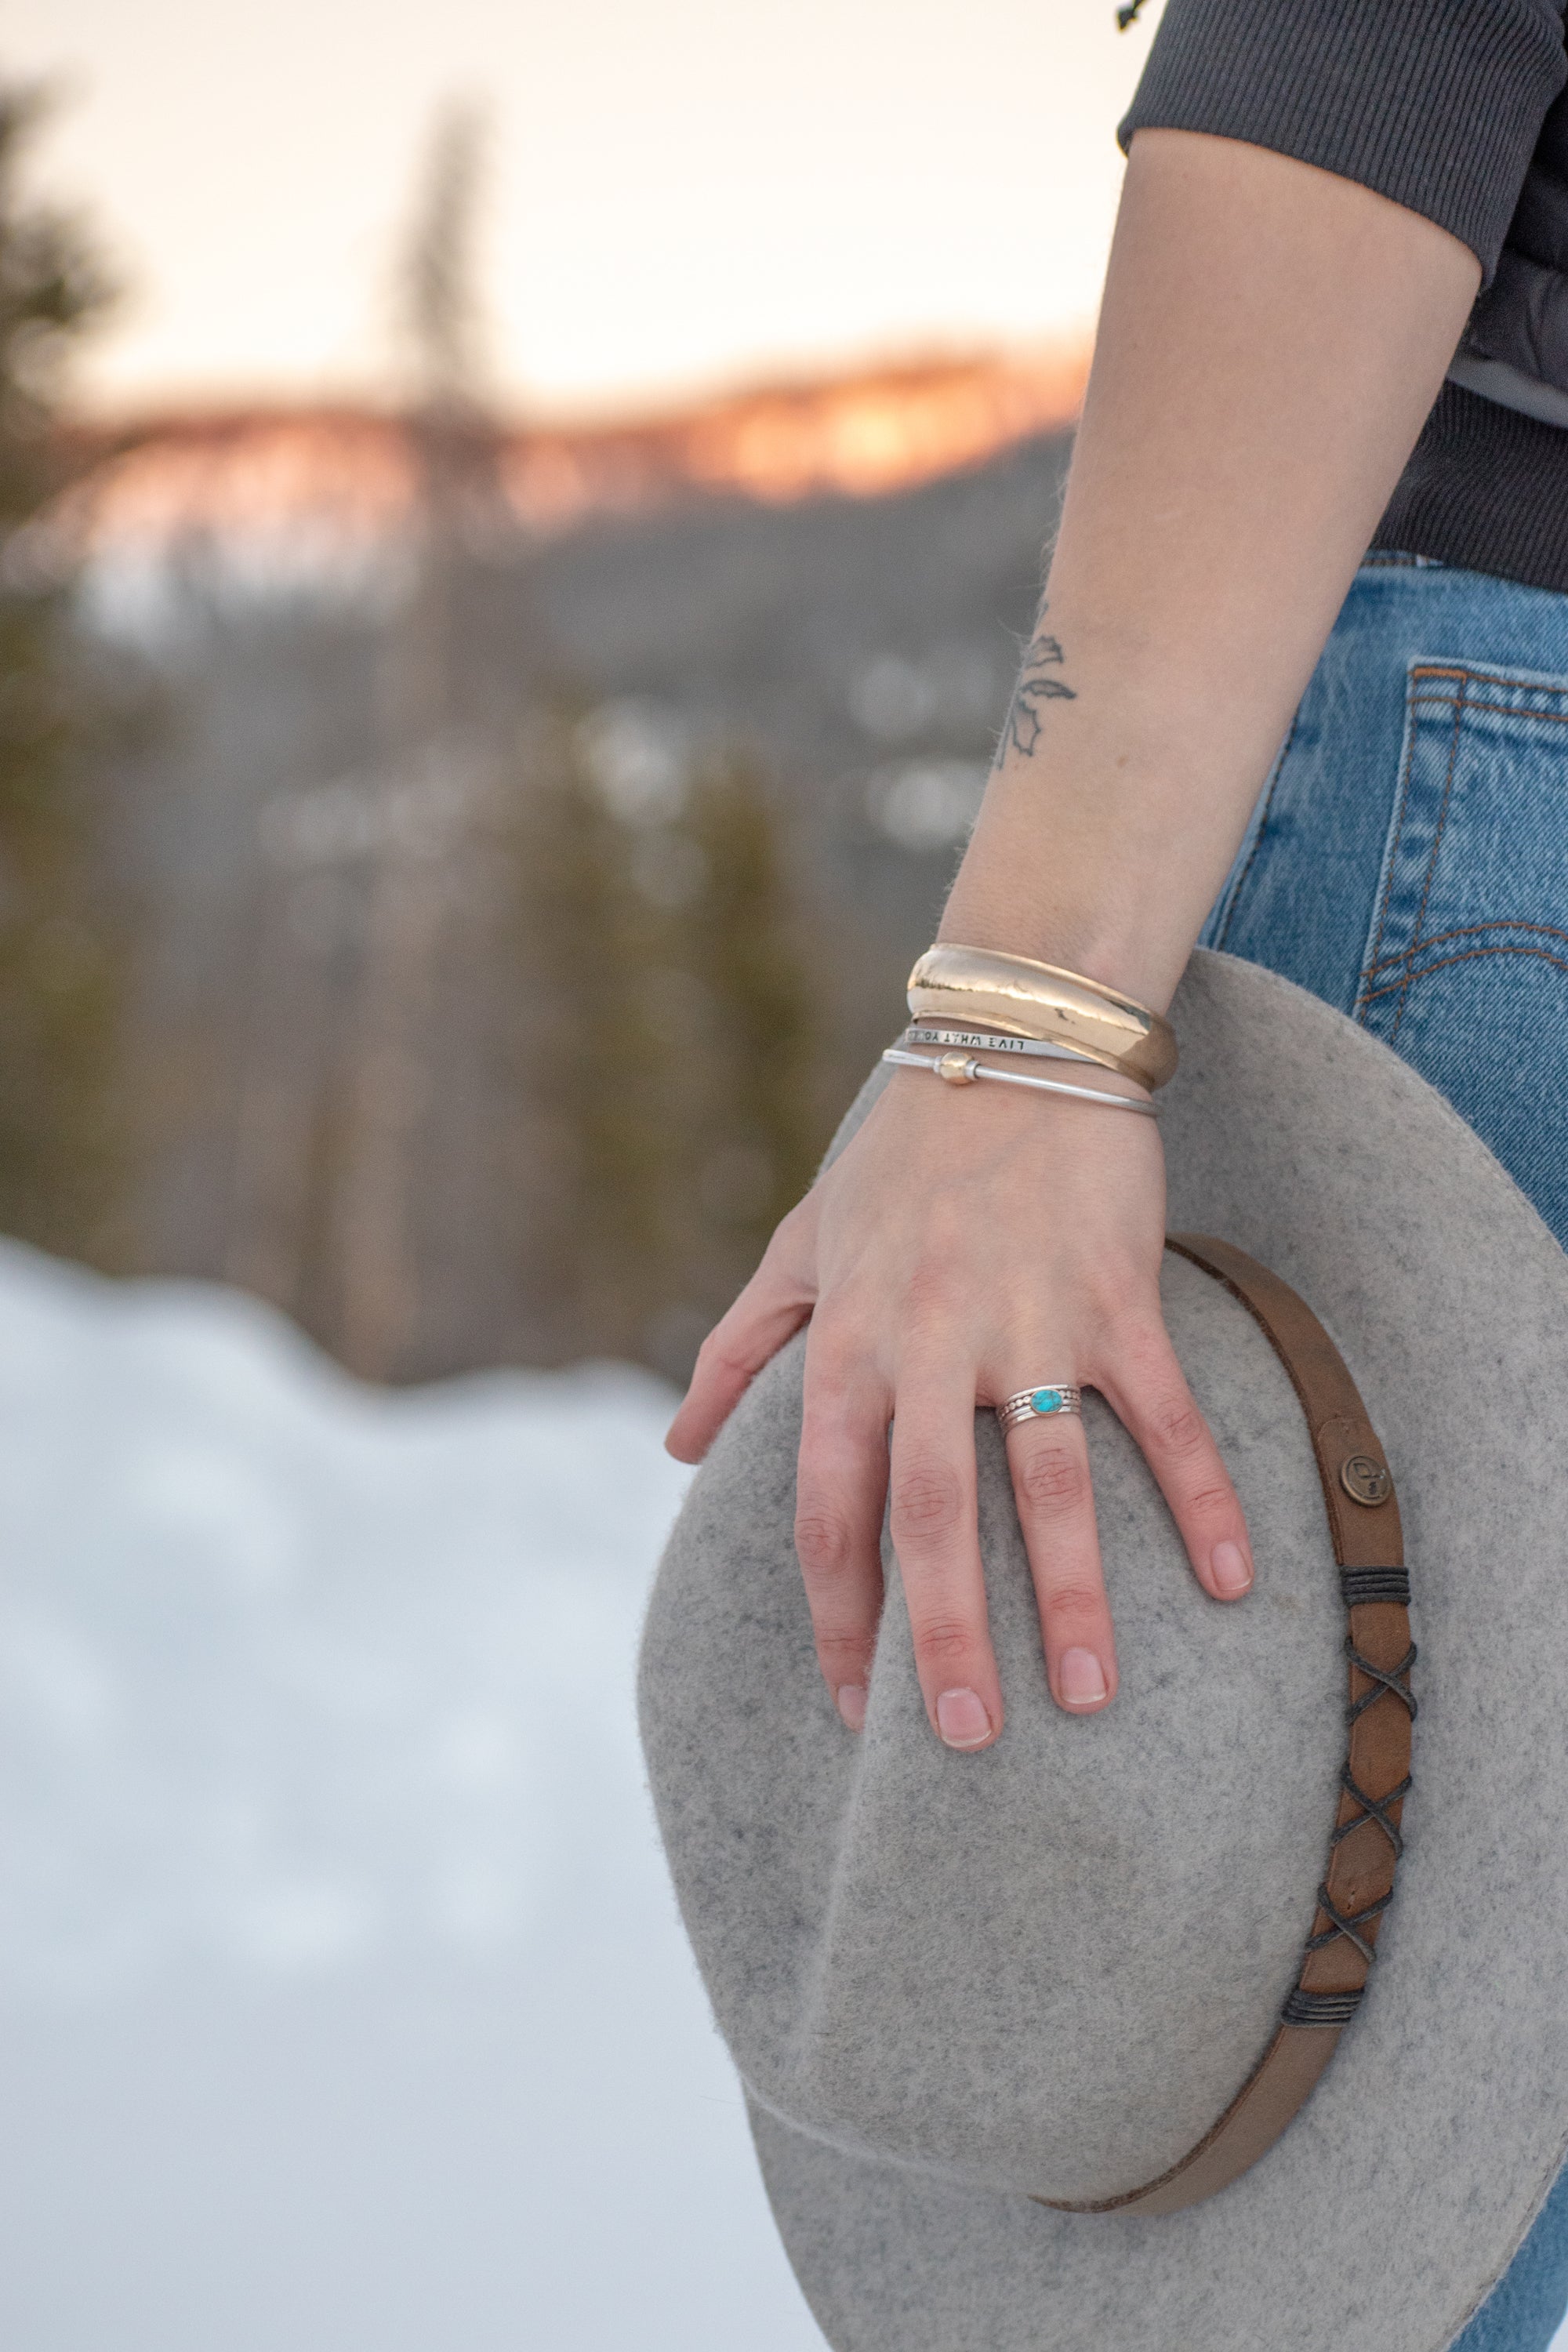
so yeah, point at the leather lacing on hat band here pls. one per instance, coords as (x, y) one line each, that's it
(1380, 1712)
(1338, 2009)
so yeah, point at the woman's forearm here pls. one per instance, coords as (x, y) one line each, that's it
(1272, 340)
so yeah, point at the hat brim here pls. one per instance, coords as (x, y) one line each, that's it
(1398, 2199)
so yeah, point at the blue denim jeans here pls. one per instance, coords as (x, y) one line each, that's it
(1408, 861)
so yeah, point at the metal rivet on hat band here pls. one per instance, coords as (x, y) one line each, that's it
(1052, 1397)
(1365, 1480)
(1380, 1712)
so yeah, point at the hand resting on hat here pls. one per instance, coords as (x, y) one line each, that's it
(927, 1292)
(1271, 339)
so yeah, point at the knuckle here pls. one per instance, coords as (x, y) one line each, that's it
(1176, 1425)
(1078, 1597)
(836, 1376)
(1213, 1500)
(841, 1651)
(824, 1542)
(720, 1352)
(1051, 1480)
(943, 1642)
(927, 1503)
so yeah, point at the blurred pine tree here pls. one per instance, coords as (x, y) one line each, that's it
(59, 979)
(670, 1111)
(595, 1072)
(753, 1147)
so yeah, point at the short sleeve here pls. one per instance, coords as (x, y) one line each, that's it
(1436, 104)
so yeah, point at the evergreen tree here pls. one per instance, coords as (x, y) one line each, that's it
(755, 1142)
(592, 1085)
(59, 977)
(668, 1103)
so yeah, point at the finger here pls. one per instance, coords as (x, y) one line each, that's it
(840, 1490)
(770, 1310)
(932, 1520)
(1048, 1459)
(1148, 1390)
(729, 1359)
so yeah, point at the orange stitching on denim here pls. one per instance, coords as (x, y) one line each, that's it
(1470, 955)
(1469, 679)
(1491, 710)
(1436, 846)
(1487, 677)
(1468, 930)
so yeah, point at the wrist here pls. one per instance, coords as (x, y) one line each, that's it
(1107, 936)
(1097, 874)
(1129, 761)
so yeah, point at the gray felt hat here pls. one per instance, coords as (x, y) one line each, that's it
(955, 1984)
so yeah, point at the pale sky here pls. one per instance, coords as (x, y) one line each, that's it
(683, 192)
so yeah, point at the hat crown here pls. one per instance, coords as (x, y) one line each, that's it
(1050, 1967)
(1387, 2211)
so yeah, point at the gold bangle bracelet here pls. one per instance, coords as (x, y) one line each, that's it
(1025, 999)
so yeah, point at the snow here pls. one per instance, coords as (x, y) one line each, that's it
(345, 2003)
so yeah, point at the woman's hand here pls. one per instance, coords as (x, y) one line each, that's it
(965, 1246)
(1271, 340)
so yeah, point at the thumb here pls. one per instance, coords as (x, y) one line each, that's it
(771, 1309)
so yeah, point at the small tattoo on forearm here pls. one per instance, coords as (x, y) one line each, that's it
(1037, 684)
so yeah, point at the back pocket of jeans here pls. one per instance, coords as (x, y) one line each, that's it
(1465, 972)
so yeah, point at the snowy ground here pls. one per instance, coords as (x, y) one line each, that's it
(344, 2006)
(342, 2001)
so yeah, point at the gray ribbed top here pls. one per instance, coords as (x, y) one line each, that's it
(1454, 108)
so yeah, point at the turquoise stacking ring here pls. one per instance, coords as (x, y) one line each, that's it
(1055, 1398)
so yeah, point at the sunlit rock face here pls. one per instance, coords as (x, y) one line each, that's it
(307, 491)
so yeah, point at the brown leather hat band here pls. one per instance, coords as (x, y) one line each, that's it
(1365, 1843)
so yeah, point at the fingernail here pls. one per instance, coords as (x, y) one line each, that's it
(1081, 1678)
(1232, 1572)
(852, 1705)
(960, 1719)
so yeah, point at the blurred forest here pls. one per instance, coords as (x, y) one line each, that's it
(63, 1163)
(469, 946)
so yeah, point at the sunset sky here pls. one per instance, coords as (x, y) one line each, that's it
(682, 193)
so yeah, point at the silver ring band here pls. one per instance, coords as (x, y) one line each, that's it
(1053, 1400)
(962, 1070)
